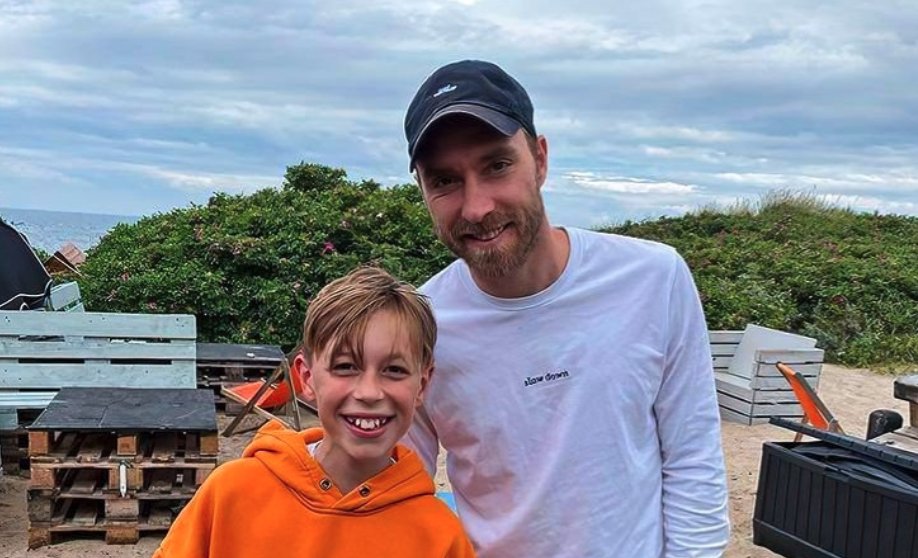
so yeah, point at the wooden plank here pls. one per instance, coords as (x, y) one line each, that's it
(164, 446)
(122, 534)
(133, 476)
(127, 444)
(93, 447)
(209, 444)
(740, 388)
(722, 362)
(122, 509)
(906, 388)
(201, 474)
(9, 419)
(39, 537)
(99, 324)
(720, 349)
(725, 336)
(179, 374)
(767, 370)
(25, 399)
(162, 481)
(40, 507)
(759, 409)
(67, 444)
(39, 442)
(86, 481)
(728, 415)
(160, 515)
(899, 441)
(791, 357)
(86, 514)
(92, 348)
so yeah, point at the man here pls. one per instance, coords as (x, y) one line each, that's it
(574, 392)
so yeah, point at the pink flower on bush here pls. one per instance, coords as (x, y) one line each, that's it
(328, 247)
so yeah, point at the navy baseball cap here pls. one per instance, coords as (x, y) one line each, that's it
(472, 87)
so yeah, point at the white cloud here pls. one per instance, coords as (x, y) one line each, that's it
(625, 185)
(659, 105)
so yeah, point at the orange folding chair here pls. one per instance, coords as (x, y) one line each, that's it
(815, 411)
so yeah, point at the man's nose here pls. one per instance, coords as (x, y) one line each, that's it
(477, 201)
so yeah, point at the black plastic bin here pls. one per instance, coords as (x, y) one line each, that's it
(839, 497)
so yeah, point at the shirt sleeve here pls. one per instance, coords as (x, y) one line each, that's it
(422, 439)
(695, 518)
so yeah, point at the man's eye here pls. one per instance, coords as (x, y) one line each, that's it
(443, 182)
(499, 166)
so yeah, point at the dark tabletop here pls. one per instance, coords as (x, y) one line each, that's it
(129, 410)
(230, 352)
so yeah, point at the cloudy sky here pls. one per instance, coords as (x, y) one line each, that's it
(651, 107)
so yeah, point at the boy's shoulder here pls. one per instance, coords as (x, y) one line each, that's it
(244, 474)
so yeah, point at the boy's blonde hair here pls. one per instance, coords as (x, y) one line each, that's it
(337, 317)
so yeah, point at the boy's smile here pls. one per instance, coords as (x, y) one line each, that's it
(366, 401)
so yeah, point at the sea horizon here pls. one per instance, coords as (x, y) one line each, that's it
(49, 230)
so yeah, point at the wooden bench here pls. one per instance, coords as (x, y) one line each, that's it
(65, 298)
(752, 391)
(41, 352)
(906, 438)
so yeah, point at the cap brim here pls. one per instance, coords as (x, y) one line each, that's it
(497, 120)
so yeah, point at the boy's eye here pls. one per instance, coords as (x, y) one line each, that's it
(344, 367)
(397, 371)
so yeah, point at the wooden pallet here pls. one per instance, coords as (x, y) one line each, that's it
(144, 456)
(81, 517)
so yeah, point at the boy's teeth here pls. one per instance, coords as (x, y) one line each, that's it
(367, 423)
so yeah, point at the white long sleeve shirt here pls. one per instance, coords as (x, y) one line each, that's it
(580, 421)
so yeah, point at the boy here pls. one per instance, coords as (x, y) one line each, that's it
(346, 489)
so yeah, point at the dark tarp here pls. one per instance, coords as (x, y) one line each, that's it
(24, 283)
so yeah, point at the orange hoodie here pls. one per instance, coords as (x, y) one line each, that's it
(272, 504)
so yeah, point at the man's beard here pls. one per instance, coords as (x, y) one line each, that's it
(497, 262)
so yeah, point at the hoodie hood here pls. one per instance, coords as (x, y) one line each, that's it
(283, 452)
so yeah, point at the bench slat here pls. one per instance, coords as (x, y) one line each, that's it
(97, 349)
(99, 324)
(179, 374)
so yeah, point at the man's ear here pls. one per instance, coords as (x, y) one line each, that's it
(542, 160)
(426, 375)
(302, 368)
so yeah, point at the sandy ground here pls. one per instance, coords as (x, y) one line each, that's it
(851, 394)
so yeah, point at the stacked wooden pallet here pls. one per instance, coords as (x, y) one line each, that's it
(750, 389)
(119, 463)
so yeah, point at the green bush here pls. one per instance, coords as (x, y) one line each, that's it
(247, 265)
(848, 279)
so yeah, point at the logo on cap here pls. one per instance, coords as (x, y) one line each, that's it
(445, 89)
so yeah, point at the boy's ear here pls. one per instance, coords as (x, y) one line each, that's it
(426, 375)
(301, 367)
